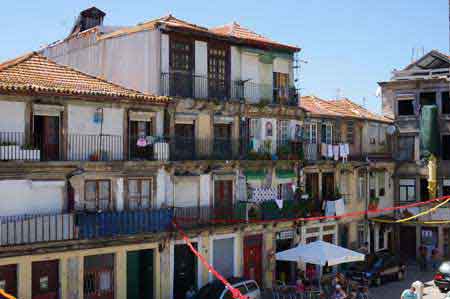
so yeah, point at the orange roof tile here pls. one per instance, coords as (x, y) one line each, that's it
(338, 108)
(36, 73)
(235, 30)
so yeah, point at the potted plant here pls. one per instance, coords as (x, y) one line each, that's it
(283, 152)
(373, 203)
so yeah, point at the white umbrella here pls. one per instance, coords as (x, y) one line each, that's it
(320, 253)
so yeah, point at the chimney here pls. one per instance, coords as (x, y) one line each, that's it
(88, 19)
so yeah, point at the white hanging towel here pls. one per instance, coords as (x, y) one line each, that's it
(336, 152)
(346, 149)
(341, 150)
(279, 203)
(323, 149)
(340, 207)
(330, 208)
(329, 151)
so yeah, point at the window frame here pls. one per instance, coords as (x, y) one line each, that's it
(327, 138)
(97, 195)
(173, 53)
(310, 129)
(403, 184)
(150, 195)
(447, 104)
(400, 147)
(280, 87)
(412, 105)
(350, 135)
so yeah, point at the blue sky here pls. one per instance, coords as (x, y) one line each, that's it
(349, 45)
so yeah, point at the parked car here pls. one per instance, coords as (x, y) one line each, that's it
(378, 268)
(216, 289)
(442, 277)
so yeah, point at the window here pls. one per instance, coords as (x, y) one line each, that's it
(424, 193)
(139, 194)
(361, 238)
(373, 133)
(406, 148)
(362, 186)
(97, 195)
(445, 103)
(254, 124)
(285, 191)
(445, 147)
(283, 132)
(381, 184)
(372, 185)
(218, 71)
(407, 189)
(405, 107)
(269, 129)
(181, 65)
(427, 98)
(327, 133)
(382, 134)
(310, 133)
(350, 131)
(280, 87)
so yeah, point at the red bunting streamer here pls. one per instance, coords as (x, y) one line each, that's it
(234, 292)
(347, 215)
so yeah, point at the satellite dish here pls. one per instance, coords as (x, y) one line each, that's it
(391, 129)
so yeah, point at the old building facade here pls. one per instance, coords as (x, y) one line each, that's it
(424, 82)
(208, 131)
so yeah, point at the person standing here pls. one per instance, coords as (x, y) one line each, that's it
(409, 293)
(434, 258)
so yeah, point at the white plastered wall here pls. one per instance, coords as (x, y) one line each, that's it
(12, 116)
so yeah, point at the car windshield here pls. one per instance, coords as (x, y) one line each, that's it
(445, 268)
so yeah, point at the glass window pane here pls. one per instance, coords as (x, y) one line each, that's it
(91, 188)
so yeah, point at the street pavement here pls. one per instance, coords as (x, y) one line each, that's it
(394, 289)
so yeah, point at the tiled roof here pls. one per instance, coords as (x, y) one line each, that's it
(233, 31)
(36, 73)
(338, 108)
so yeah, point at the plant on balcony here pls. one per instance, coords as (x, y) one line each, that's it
(284, 152)
(373, 203)
(7, 143)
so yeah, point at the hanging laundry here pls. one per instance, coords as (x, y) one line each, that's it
(341, 150)
(340, 207)
(279, 203)
(330, 208)
(330, 151)
(336, 152)
(323, 149)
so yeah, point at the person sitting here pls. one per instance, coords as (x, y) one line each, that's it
(409, 293)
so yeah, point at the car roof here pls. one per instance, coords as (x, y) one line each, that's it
(216, 287)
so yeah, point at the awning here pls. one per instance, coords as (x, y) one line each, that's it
(285, 176)
(255, 175)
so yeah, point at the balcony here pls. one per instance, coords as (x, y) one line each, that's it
(201, 87)
(30, 229)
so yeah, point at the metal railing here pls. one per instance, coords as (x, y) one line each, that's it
(148, 148)
(18, 146)
(94, 147)
(29, 229)
(188, 85)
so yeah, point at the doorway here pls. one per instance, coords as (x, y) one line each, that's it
(140, 274)
(222, 141)
(8, 279)
(223, 199)
(99, 276)
(327, 186)
(184, 141)
(408, 243)
(285, 271)
(185, 270)
(253, 258)
(46, 136)
(45, 280)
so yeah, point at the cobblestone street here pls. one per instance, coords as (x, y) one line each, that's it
(394, 289)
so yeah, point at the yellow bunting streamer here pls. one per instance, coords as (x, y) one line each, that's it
(6, 295)
(424, 212)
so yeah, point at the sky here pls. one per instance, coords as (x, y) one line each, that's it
(347, 45)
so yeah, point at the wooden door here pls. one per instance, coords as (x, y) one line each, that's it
(312, 185)
(253, 258)
(99, 277)
(218, 71)
(140, 274)
(222, 141)
(45, 280)
(8, 279)
(327, 186)
(51, 137)
(185, 271)
(184, 141)
(138, 130)
(223, 199)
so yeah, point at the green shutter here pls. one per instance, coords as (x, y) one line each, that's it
(285, 174)
(255, 175)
